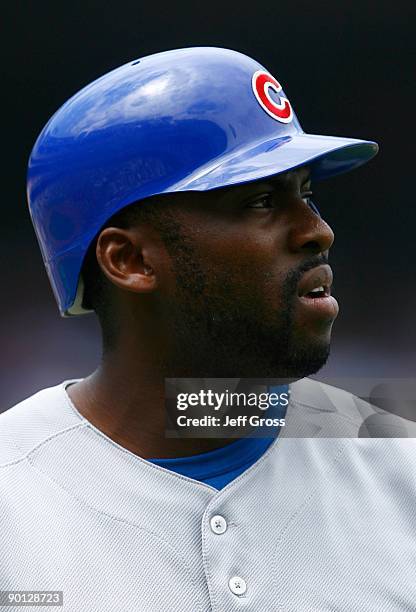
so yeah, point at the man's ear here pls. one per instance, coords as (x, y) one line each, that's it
(123, 259)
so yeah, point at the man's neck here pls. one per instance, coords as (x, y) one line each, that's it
(128, 405)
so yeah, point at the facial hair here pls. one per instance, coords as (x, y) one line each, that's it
(226, 327)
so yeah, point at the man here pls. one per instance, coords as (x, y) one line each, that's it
(173, 198)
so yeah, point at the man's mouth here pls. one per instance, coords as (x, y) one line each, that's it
(314, 293)
(318, 292)
(316, 283)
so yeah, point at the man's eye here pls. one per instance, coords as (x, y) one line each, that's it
(263, 201)
(307, 197)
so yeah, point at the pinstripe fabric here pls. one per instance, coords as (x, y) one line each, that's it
(318, 524)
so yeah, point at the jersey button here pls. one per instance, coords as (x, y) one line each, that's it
(237, 585)
(218, 524)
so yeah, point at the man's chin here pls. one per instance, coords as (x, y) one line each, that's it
(246, 348)
(298, 363)
(305, 359)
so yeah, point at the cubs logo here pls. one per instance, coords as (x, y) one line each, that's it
(263, 81)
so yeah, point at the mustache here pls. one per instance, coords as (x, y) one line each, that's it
(294, 276)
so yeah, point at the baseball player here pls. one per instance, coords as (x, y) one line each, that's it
(172, 197)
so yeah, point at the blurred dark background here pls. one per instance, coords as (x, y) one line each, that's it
(348, 68)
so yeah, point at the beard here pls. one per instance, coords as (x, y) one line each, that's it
(221, 326)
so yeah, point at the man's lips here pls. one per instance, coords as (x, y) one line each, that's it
(314, 294)
(316, 283)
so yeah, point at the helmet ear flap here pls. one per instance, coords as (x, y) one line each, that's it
(78, 307)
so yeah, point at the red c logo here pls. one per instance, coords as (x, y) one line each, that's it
(263, 81)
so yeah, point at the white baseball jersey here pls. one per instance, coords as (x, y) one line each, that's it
(318, 524)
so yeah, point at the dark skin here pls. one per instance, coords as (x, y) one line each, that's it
(252, 244)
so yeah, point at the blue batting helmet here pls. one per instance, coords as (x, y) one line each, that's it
(185, 120)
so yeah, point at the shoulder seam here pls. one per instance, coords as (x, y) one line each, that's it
(41, 443)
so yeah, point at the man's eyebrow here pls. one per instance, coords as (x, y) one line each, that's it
(282, 178)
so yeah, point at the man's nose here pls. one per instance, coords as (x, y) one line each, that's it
(308, 233)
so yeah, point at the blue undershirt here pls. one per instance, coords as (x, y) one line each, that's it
(220, 466)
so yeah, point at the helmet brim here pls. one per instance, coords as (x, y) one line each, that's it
(326, 156)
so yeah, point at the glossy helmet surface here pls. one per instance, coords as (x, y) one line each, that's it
(185, 120)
